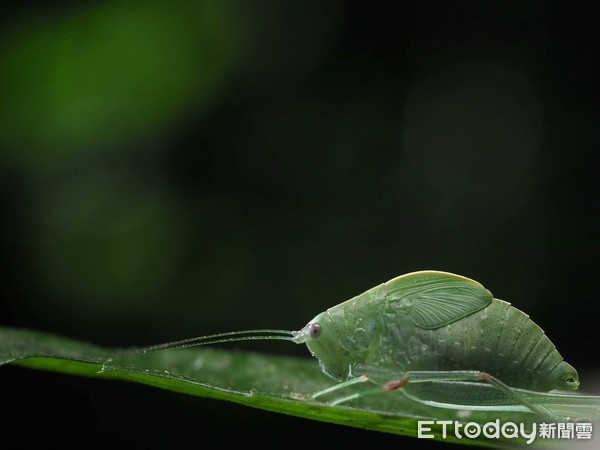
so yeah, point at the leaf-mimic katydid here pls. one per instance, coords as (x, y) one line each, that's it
(440, 338)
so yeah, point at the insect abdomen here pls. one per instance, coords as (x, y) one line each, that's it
(500, 340)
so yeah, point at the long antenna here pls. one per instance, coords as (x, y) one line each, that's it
(245, 335)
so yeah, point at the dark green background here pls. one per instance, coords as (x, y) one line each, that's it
(172, 169)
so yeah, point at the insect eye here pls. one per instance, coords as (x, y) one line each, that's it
(314, 330)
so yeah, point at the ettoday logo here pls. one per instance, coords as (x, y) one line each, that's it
(507, 430)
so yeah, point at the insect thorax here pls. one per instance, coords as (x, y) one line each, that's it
(378, 340)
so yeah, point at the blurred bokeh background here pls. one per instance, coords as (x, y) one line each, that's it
(172, 169)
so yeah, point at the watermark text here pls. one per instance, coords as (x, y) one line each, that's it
(507, 430)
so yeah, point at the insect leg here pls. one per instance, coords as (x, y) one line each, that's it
(344, 384)
(464, 375)
(376, 374)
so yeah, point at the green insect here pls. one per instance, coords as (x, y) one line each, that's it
(440, 338)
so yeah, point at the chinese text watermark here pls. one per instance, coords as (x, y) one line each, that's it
(507, 430)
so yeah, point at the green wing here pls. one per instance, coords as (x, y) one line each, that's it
(434, 299)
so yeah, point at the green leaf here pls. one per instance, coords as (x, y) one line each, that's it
(275, 383)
